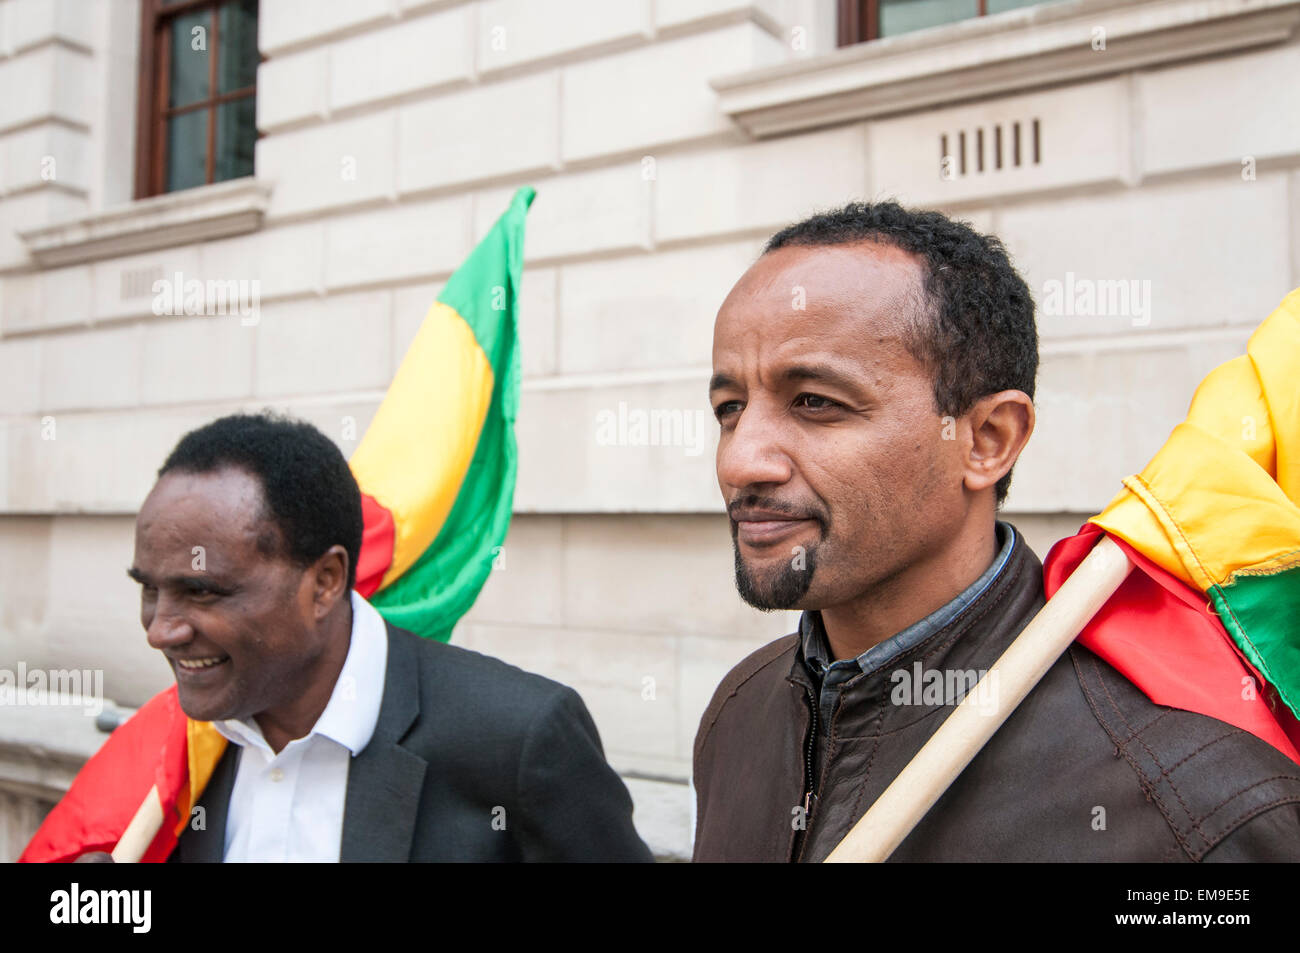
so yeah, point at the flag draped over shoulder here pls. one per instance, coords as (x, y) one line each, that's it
(437, 465)
(1209, 620)
(436, 470)
(157, 747)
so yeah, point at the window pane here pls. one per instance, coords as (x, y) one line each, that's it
(187, 150)
(236, 133)
(903, 16)
(189, 73)
(237, 61)
(999, 6)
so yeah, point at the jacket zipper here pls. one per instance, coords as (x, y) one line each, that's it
(809, 779)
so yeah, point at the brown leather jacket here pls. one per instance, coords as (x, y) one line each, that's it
(1087, 768)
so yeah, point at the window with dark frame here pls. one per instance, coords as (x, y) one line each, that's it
(862, 20)
(197, 115)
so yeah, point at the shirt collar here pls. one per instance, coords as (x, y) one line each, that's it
(352, 712)
(816, 650)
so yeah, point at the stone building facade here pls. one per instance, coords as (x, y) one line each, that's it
(1143, 156)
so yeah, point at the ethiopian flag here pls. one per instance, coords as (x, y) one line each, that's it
(436, 470)
(159, 747)
(437, 465)
(1209, 619)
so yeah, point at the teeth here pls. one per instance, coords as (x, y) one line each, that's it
(197, 663)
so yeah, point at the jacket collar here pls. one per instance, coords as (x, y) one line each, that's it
(1018, 581)
(384, 780)
(816, 650)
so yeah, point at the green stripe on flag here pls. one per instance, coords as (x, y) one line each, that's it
(431, 596)
(1262, 614)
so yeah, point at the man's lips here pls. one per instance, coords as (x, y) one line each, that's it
(756, 527)
(198, 664)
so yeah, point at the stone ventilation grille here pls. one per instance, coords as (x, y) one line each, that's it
(138, 282)
(1000, 147)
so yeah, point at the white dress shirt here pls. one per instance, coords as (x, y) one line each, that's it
(289, 806)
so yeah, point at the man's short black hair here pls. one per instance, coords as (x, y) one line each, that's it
(311, 494)
(978, 336)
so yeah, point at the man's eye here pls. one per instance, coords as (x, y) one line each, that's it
(203, 595)
(815, 402)
(726, 408)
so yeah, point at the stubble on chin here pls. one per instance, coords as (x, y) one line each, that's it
(782, 586)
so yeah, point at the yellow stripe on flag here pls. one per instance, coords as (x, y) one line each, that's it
(1221, 495)
(415, 454)
(204, 746)
(1275, 352)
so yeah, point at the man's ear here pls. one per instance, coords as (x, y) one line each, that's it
(329, 580)
(1000, 427)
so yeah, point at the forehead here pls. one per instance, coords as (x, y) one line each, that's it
(852, 300)
(222, 511)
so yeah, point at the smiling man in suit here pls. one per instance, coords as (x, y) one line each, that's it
(350, 739)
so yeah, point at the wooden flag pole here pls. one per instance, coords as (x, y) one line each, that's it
(901, 807)
(139, 834)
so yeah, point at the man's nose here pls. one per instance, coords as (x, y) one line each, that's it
(753, 452)
(168, 628)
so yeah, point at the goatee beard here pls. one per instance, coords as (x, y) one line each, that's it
(779, 589)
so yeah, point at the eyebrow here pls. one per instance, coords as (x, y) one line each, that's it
(192, 583)
(821, 373)
(721, 381)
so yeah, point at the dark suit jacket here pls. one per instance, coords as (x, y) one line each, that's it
(472, 760)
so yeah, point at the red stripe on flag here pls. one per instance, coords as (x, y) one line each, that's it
(377, 541)
(150, 749)
(1164, 637)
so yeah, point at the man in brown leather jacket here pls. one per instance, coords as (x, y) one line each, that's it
(873, 378)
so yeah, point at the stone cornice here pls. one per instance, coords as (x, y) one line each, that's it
(164, 221)
(988, 56)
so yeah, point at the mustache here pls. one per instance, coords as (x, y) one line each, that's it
(803, 511)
